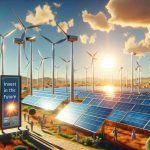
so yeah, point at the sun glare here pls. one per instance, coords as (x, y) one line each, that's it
(11, 108)
(108, 62)
(108, 89)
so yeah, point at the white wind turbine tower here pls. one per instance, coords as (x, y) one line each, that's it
(138, 68)
(57, 67)
(20, 41)
(42, 63)
(86, 69)
(27, 66)
(3, 37)
(72, 39)
(93, 59)
(37, 69)
(31, 39)
(66, 62)
(53, 60)
(121, 68)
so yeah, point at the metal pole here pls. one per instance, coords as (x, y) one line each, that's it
(19, 51)
(72, 77)
(53, 72)
(2, 56)
(31, 58)
(43, 74)
(131, 72)
(66, 77)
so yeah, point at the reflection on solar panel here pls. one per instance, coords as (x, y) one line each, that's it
(116, 115)
(93, 118)
(71, 112)
(108, 104)
(147, 127)
(136, 101)
(142, 109)
(43, 102)
(136, 119)
(87, 101)
(95, 102)
(124, 106)
(126, 100)
(146, 102)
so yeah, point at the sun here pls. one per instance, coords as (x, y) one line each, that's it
(108, 62)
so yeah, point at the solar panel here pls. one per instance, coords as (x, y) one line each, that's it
(87, 101)
(141, 109)
(108, 104)
(71, 112)
(126, 100)
(43, 102)
(147, 127)
(93, 118)
(123, 106)
(146, 102)
(136, 119)
(95, 102)
(116, 115)
(136, 101)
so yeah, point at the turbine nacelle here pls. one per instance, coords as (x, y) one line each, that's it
(31, 39)
(72, 38)
(18, 41)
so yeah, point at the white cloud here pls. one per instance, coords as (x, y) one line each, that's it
(92, 39)
(57, 4)
(41, 15)
(87, 39)
(97, 22)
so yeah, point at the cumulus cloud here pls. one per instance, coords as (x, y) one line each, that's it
(92, 39)
(140, 47)
(84, 38)
(41, 15)
(133, 13)
(66, 25)
(97, 22)
(57, 4)
(87, 39)
(17, 25)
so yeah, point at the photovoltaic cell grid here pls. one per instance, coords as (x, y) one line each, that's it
(136, 119)
(147, 127)
(108, 104)
(71, 112)
(43, 102)
(93, 118)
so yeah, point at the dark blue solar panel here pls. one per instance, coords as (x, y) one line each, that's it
(126, 100)
(146, 102)
(71, 112)
(123, 106)
(147, 127)
(108, 104)
(95, 102)
(116, 115)
(136, 101)
(87, 101)
(136, 119)
(144, 97)
(141, 109)
(133, 96)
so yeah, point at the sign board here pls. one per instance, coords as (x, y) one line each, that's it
(10, 101)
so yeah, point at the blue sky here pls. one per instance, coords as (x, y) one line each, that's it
(111, 43)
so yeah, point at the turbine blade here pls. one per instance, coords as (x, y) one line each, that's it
(62, 30)
(19, 20)
(23, 36)
(27, 64)
(40, 64)
(60, 41)
(33, 26)
(95, 53)
(47, 39)
(24, 51)
(9, 33)
(46, 57)
(40, 54)
(90, 54)
(63, 59)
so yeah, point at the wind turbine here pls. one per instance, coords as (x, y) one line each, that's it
(27, 66)
(121, 68)
(53, 55)
(20, 42)
(3, 37)
(57, 67)
(31, 39)
(86, 69)
(138, 68)
(42, 63)
(93, 59)
(66, 62)
(72, 39)
(37, 69)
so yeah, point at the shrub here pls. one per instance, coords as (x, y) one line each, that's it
(20, 147)
(32, 111)
(88, 141)
(148, 144)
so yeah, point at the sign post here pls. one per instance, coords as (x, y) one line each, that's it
(10, 102)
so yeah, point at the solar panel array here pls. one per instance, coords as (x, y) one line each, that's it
(45, 100)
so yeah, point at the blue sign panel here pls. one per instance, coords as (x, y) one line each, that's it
(10, 101)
